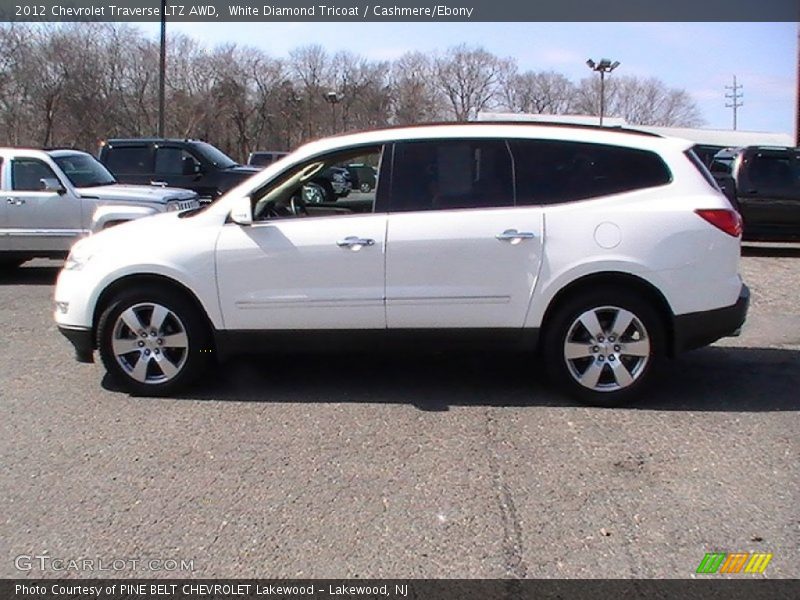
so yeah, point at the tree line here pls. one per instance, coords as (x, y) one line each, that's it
(76, 84)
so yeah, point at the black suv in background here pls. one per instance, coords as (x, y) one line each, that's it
(765, 181)
(191, 164)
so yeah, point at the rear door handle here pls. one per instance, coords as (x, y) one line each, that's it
(514, 236)
(355, 243)
(15, 201)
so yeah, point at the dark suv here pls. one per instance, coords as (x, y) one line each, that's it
(765, 181)
(191, 164)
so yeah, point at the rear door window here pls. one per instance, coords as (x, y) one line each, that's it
(174, 161)
(555, 171)
(129, 159)
(775, 172)
(451, 174)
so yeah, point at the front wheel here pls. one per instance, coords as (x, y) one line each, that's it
(604, 347)
(153, 341)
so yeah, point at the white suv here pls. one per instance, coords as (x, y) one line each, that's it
(604, 249)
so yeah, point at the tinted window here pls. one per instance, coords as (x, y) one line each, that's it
(774, 171)
(174, 161)
(128, 159)
(445, 175)
(549, 172)
(27, 174)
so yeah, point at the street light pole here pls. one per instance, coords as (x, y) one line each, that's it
(333, 99)
(162, 68)
(602, 67)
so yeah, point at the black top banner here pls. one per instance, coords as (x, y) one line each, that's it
(401, 10)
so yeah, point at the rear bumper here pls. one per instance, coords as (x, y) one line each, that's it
(81, 340)
(694, 330)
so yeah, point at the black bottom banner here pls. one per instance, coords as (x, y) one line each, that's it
(397, 589)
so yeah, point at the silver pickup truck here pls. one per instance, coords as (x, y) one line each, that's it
(50, 198)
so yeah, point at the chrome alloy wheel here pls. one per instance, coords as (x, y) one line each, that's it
(149, 342)
(606, 349)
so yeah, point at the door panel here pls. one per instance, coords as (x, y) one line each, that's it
(449, 269)
(303, 273)
(39, 220)
(459, 255)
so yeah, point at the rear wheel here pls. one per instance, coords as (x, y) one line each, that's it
(605, 346)
(153, 341)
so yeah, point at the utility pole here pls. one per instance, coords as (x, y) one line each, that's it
(734, 96)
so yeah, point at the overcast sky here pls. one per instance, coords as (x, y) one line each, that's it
(698, 57)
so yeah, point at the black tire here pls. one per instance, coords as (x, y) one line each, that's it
(188, 362)
(365, 187)
(606, 356)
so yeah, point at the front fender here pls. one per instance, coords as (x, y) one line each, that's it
(105, 215)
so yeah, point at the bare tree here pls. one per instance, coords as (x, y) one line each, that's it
(543, 92)
(415, 99)
(468, 77)
(639, 101)
(74, 84)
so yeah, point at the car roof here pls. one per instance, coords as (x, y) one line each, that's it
(509, 130)
(38, 152)
(153, 140)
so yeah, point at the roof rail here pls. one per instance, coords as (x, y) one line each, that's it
(560, 124)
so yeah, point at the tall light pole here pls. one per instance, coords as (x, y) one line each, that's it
(162, 69)
(333, 99)
(602, 67)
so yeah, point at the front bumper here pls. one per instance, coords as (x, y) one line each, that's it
(694, 330)
(81, 339)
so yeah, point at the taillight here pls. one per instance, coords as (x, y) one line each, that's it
(725, 219)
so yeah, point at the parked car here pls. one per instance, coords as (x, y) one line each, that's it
(765, 182)
(54, 197)
(264, 158)
(606, 250)
(191, 164)
(328, 186)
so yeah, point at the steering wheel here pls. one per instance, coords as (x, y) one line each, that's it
(297, 206)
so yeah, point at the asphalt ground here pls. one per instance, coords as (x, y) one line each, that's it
(414, 466)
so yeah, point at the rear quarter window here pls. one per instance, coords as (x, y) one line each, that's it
(554, 171)
(128, 159)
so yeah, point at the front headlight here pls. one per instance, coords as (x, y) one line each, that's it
(173, 205)
(77, 258)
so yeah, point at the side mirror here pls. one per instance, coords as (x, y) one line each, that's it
(51, 184)
(242, 211)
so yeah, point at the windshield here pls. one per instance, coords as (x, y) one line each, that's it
(84, 170)
(215, 156)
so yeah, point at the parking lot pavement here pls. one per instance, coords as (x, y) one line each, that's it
(459, 466)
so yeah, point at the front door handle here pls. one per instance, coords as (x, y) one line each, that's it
(514, 236)
(355, 243)
(15, 201)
